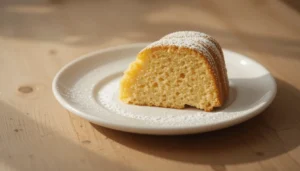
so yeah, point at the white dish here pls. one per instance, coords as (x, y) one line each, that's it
(88, 87)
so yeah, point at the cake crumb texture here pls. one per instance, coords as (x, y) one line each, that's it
(182, 68)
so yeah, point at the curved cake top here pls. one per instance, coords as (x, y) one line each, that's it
(185, 34)
(202, 43)
(198, 41)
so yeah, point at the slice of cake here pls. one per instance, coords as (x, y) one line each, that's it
(182, 68)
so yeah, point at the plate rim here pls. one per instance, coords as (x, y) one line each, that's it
(151, 129)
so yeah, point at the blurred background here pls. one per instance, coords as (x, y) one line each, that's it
(62, 24)
(72, 27)
(38, 37)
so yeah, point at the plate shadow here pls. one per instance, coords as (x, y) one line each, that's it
(260, 138)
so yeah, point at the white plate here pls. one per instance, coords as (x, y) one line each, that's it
(88, 87)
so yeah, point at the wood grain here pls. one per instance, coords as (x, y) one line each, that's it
(38, 37)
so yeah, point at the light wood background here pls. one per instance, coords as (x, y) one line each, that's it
(38, 37)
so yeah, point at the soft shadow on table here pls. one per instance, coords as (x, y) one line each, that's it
(88, 23)
(265, 136)
(26, 145)
(294, 4)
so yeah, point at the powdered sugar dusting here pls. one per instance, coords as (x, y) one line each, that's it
(91, 91)
(99, 97)
(196, 36)
(203, 44)
(108, 97)
(209, 41)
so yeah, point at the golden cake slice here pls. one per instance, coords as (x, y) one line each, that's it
(182, 68)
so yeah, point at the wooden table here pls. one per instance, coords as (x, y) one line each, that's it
(38, 37)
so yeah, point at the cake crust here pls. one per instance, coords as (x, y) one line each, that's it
(191, 43)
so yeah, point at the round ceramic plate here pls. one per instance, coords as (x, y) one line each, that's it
(88, 87)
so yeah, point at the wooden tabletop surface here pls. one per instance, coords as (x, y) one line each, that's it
(38, 37)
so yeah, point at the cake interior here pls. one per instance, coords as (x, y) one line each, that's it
(170, 77)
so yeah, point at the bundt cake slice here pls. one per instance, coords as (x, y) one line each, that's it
(182, 68)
